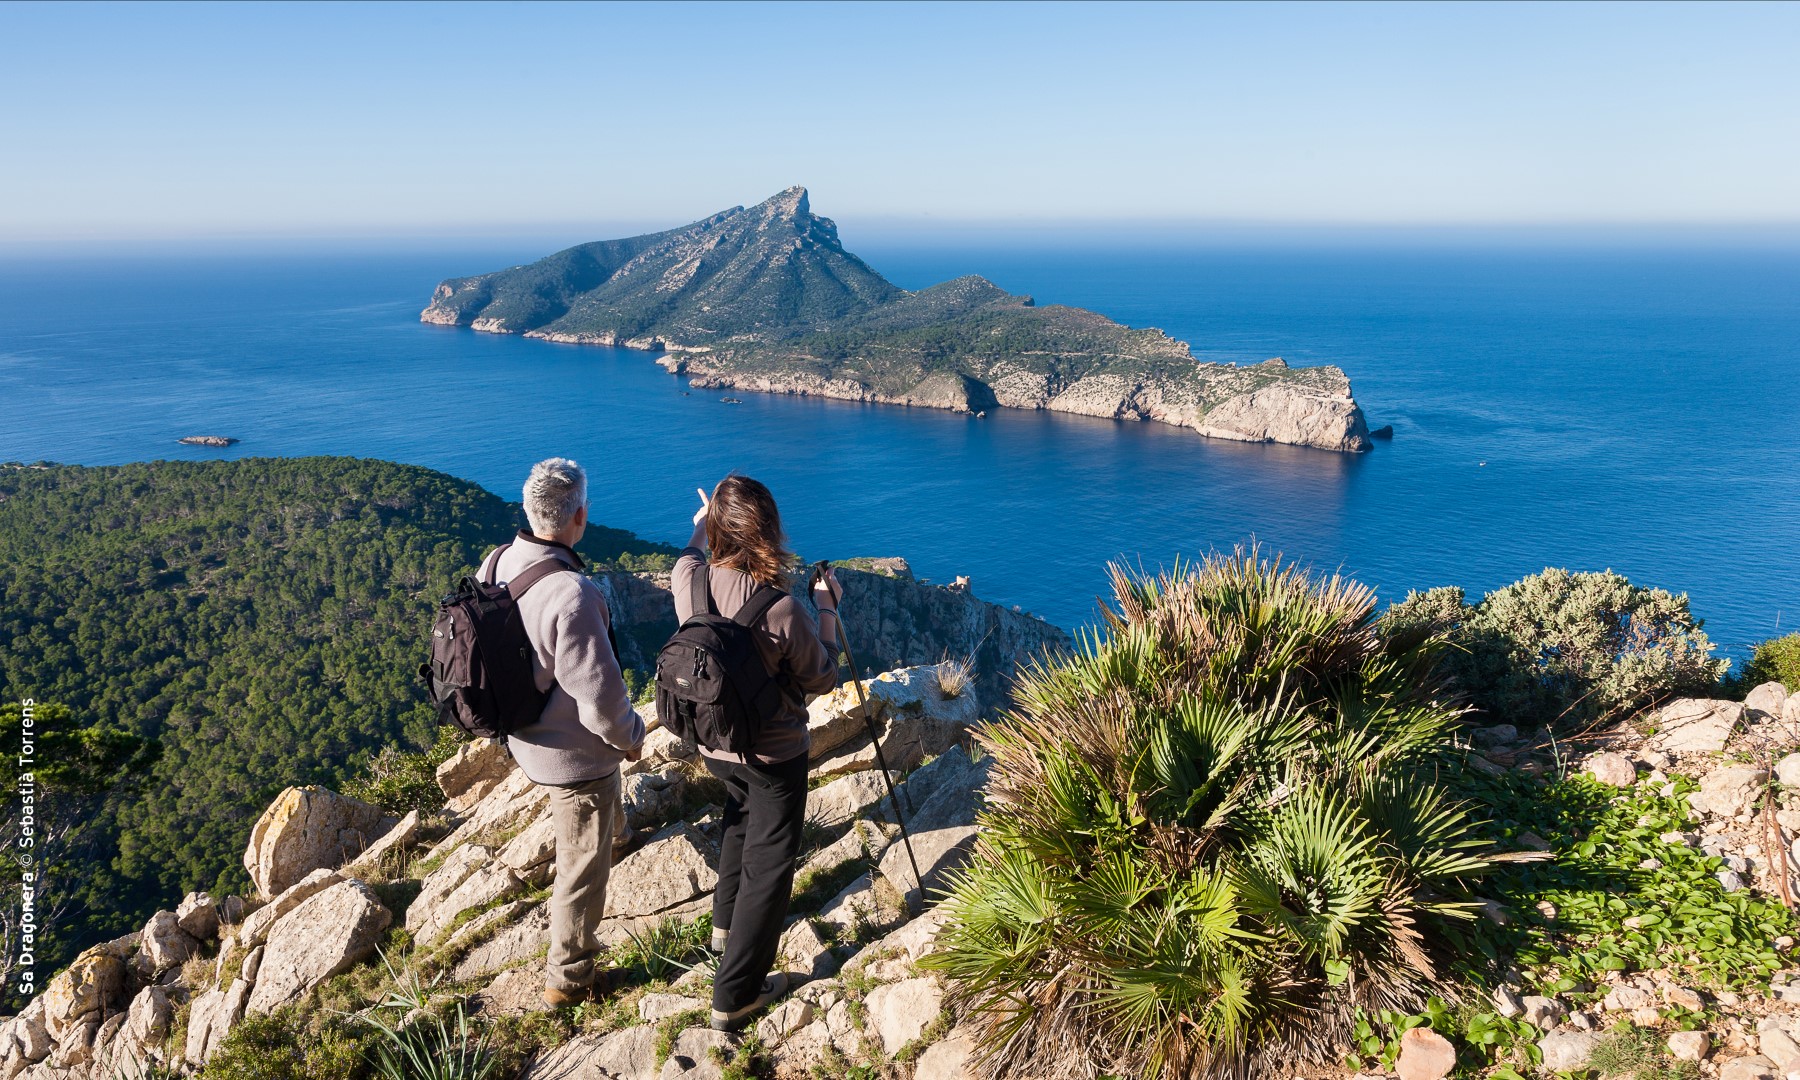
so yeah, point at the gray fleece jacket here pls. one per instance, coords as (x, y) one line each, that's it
(588, 725)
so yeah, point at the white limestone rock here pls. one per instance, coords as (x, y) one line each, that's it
(255, 927)
(1767, 699)
(211, 1017)
(165, 944)
(1729, 790)
(325, 935)
(379, 858)
(198, 914)
(1567, 1051)
(1696, 725)
(672, 868)
(306, 829)
(1613, 770)
(477, 768)
(900, 1012)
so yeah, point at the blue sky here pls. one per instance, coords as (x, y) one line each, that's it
(158, 121)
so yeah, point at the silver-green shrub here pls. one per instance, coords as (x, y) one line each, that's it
(1561, 648)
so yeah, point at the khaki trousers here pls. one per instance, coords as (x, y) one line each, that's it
(584, 817)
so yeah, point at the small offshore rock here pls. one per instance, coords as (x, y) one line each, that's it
(1613, 770)
(1689, 1045)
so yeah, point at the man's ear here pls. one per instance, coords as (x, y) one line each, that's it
(581, 517)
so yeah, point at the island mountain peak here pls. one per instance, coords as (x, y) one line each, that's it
(766, 298)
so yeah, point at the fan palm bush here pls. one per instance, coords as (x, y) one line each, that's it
(1212, 834)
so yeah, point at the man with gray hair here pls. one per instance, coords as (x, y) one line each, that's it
(587, 727)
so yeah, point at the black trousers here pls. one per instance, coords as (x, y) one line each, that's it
(764, 808)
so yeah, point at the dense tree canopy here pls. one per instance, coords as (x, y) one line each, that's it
(254, 623)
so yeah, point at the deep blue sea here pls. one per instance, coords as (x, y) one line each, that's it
(1638, 410)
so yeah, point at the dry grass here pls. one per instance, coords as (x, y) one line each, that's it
(954, 677)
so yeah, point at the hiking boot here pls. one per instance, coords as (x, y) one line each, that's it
(772, 987)
(559, 999)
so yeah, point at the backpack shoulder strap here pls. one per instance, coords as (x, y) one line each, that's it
(764, 598)
(533, 574)
(494, 567)
(700, 592)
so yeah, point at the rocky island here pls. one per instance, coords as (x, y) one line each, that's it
(766, 298)
(207, 440)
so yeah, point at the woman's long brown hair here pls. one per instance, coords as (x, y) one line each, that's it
(743, 529)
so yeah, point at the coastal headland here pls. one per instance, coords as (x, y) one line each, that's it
(765, 298)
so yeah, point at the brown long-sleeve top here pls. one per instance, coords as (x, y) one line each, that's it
(788, 640)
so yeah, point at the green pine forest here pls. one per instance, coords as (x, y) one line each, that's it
(217, 631)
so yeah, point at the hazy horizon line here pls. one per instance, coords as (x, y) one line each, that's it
(930, 230)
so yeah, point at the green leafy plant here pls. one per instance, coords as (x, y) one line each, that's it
(423, 1044)
(1624, 899)
(289, 1045)
(669, 946)
(1376, 1039)
(1568, 648)
(1775, 660)
(1212, 835)
(399, 780)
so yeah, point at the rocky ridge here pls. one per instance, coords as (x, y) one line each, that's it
(170, 994)
(767, 299)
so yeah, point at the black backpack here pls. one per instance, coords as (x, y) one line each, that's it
(479, 677)
(712, 687)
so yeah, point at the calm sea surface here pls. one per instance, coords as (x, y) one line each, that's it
(1633, 410)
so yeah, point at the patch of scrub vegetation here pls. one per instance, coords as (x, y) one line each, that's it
(1566, 650)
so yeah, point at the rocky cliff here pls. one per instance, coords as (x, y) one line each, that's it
(767, 299)
(893, 619)
(455, 901)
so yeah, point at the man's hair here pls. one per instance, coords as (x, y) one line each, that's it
(555, 492)
(743, 529)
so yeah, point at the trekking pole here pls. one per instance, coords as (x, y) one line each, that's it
(862, 700)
